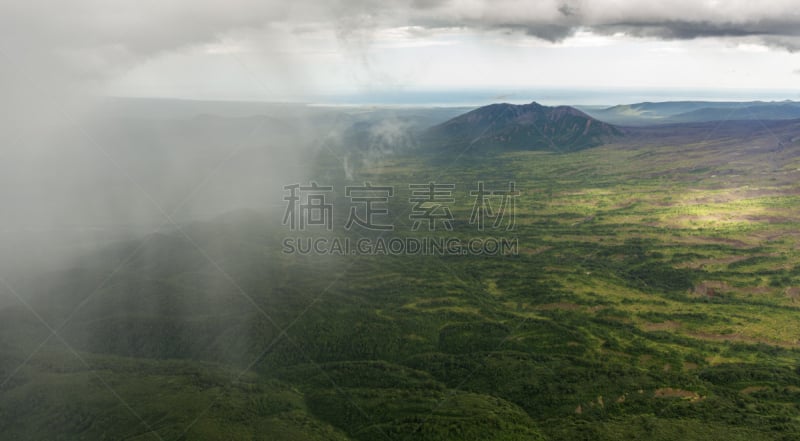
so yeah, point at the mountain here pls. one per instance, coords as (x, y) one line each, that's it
(522, 127)
(777, 111)
(648, 113)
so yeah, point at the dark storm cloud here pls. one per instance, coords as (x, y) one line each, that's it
(773, 32)
(54, 48)
(776, 23)
(90, 38)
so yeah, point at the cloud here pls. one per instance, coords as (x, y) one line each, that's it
(91, 36)
(778, 22)
(56, 51)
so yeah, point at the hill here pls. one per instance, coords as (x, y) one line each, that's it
(522, 127)
(672, 112)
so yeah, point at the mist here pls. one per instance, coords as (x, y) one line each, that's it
(118, 172)
(146, 149)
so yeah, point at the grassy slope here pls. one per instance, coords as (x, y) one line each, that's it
(654, 297)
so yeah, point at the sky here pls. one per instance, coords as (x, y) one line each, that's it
(322, 51)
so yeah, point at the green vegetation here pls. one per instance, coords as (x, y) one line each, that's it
(655, 296)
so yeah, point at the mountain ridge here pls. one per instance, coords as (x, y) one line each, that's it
(523, 127)
(669, 112)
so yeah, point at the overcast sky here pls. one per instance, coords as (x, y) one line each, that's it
(303, 49)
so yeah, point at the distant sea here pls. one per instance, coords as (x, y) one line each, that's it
(547, 96)
(584, 98)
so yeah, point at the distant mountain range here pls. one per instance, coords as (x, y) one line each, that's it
(673, 112)
(528, 127)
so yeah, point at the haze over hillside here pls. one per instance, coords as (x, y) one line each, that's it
(421, 220)
(613, 320)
